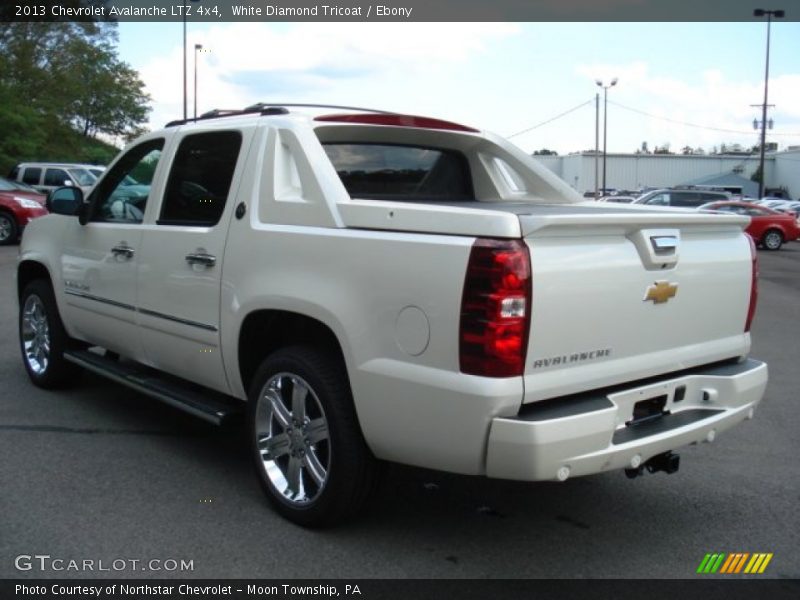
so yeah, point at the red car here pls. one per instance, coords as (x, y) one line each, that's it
(18, 205)
(770, 228)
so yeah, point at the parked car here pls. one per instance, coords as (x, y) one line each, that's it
(684, 198)
(18, 206)
(793, 207)
(769, 228)
(46, 177)
(380, 286)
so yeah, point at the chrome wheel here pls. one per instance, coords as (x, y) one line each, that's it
(35, 335)
(773, 240)
(292, 438)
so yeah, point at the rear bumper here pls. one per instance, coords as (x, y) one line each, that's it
(587, 433)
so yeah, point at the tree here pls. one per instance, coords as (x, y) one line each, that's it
(662, 149)
(545, 152)
(109, 97)
(61, 83)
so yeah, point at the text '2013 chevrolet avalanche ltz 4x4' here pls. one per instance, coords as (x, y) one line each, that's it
(372, 286)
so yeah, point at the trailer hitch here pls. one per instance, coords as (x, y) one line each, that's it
(669, 462)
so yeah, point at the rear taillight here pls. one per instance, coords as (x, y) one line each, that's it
(496, 309)
(751, 310)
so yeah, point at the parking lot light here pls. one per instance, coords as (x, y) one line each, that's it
(778, 14)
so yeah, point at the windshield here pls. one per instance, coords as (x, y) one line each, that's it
(7, 185)
(82, 176)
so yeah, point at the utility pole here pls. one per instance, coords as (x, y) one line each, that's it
(760, 12)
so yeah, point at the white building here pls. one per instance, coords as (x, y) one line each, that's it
(636, 171)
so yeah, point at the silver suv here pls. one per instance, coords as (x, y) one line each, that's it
(684, 198)
(46, 177)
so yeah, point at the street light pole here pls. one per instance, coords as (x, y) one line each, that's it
(185, 100)
(596, 146)
(760, 12)
(605, 123)
(184, 62)
(196, 48)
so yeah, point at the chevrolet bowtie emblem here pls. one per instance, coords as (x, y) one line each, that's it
(661, 291)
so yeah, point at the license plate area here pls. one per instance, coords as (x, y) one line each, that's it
(646, 411)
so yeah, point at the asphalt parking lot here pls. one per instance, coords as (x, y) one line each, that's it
(100, 472)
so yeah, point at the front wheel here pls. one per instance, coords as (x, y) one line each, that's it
(8, 229)
(773, 240)
(42, 337)
(310, 455)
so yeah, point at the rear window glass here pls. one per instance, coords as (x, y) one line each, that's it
(405, 173)
(31, 175)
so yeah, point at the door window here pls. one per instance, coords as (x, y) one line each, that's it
(121, 196)
(56, 178)
(200, 180)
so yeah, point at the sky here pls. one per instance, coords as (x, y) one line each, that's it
(503, 77)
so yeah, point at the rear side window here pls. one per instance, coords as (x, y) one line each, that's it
(56, 177)
(399, 172)
(711, 197)
(31, 175)
(688, 199)
(200, 180)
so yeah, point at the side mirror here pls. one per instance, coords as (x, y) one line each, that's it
(65, 201)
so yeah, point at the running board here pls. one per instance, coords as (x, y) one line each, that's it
(196, 400)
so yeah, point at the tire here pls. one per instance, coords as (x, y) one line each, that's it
(772, 240)
(9, 232)
(309, 453)
(42, 338)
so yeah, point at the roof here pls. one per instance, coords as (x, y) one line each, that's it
(749, 187)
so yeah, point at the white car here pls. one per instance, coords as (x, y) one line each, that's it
(368, 285)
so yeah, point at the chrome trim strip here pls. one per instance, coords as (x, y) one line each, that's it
(143, 311)
(152, 313)
(99, 299)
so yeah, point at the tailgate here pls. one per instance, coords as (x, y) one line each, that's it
(619, 297)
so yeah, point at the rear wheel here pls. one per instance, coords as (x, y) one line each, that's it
(310, 455)
(773, 240)
(8, 229)
(42, 337)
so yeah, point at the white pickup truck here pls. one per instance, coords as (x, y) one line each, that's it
(368, 285)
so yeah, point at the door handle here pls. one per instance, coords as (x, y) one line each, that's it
(122, 250)
(664, 243)
(201, 258)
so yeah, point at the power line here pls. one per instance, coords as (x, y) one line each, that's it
(564, 114)
(641, 112)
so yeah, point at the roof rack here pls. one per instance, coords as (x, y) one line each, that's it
(268, 109)
(261, 105)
